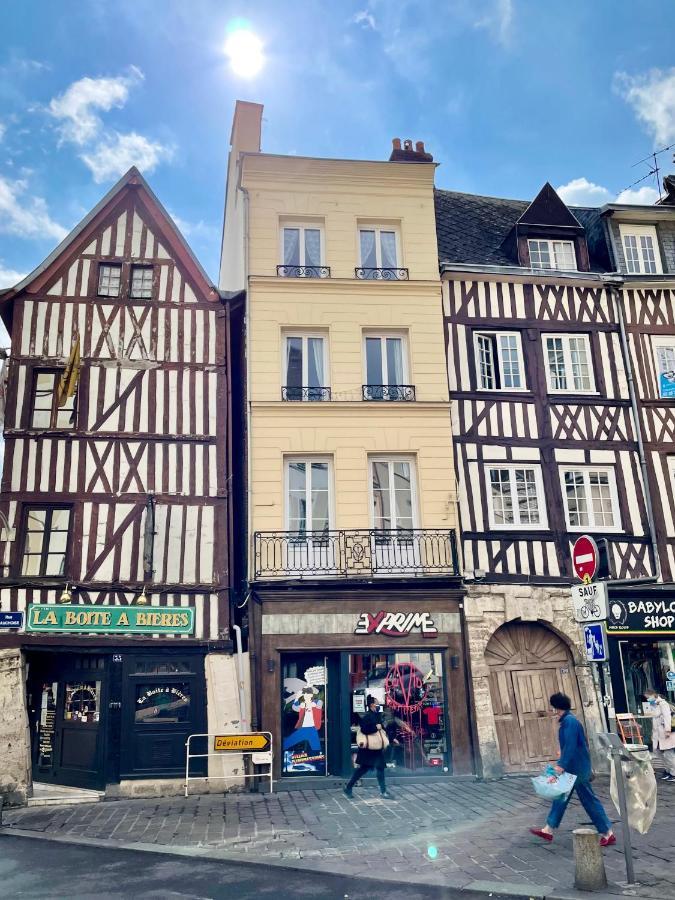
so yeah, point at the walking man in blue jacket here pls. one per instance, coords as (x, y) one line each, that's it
(575, 759)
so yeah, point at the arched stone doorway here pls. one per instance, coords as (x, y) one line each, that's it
(527, 663)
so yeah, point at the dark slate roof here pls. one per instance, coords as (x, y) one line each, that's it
(472, 229)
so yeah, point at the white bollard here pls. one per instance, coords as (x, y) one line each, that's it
(589, 865)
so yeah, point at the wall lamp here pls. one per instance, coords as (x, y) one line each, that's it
(142, 599)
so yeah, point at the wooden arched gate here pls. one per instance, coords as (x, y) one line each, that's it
(528, 662)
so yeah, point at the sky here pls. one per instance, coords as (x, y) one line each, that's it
(506, 94)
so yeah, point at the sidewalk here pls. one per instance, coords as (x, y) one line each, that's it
(462, 834)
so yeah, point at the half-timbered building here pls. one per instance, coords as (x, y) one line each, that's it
(115, 505)
(545, 448)
(639, 245)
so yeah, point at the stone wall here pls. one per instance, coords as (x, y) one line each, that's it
(487, 607)
(15, 770)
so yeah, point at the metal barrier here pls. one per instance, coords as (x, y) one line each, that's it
(257, 745)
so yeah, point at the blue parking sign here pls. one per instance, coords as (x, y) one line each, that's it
(596, 643)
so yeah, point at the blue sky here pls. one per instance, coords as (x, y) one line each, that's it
(505, 93)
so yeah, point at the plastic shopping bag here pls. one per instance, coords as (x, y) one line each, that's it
(553, 787)
(640, 790)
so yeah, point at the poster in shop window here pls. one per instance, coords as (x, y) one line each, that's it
(303, 713)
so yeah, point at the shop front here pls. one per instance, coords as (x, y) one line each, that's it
(641, 637)
(319, 662)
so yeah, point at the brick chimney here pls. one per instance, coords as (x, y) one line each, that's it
(406, 153)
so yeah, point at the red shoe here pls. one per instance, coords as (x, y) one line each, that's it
(544, 834)
(608, 841)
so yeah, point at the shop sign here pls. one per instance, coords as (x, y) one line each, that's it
(667, 385)
(11, 620)
(110, 619)
(396, 624)
(242, 743)
(590, 601)
(641, 616)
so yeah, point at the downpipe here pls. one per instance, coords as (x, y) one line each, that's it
(243, 717)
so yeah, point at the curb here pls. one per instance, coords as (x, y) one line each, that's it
(483, 889)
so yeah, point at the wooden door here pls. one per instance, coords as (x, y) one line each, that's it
(527, 664)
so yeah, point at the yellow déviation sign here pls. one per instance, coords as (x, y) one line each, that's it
(241, 743)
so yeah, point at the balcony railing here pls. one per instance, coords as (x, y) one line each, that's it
(366, 274)
(388, 391)
(305, 393)
(303, 271)
(311, 554)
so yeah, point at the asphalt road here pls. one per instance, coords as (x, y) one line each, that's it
(39, 868)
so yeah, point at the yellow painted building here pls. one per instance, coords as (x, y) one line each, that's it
(351, 491)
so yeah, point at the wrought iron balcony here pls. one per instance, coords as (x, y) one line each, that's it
(312, 554)
(303, 271)
(305, 393)
(366, 274)
(388, 391)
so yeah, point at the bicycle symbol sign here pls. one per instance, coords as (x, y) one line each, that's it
(590, 602)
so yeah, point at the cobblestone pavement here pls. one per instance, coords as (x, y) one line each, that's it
(453, 832)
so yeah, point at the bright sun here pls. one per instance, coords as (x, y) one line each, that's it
(245, 52)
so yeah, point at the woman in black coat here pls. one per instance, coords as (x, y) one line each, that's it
(366, 759)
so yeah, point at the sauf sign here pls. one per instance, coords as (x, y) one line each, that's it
(396, 624)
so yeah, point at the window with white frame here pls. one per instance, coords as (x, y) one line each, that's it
(109, 280)
(302, 250)
(379, 247)
(664, 357)
(640, 249)
(552, 254)
(516, 497)
(393, 494)
(590, 498)
(141, 282)
(499, 361)
(568, 363)
(386, 366)
(308, 495)
(305, 367)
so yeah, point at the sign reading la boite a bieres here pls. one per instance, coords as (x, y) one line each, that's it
(110, 619)
(641, 616)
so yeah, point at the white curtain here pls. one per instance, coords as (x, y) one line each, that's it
(315, 373)
(312, 247)
(394, 361)
(291, 246)
(388, 245)
(368, 257)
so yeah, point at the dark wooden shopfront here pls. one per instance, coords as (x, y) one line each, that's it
(103, 715)
(300, 630)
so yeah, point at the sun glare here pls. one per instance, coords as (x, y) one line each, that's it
(245, 52)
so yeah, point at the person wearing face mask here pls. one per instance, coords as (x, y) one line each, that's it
(663, 737)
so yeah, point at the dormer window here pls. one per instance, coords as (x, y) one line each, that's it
(640, 249)
(552, 255)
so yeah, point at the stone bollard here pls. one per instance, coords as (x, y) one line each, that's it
(590, 866)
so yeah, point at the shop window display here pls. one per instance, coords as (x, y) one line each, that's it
(410, 690)
(646, 666)
(303, 715)
(82, 702)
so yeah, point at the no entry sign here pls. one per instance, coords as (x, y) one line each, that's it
(585, 558)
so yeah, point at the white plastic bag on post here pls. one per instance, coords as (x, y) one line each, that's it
(640, 790)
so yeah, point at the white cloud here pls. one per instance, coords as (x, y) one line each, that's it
(652, 96)
(498, 21)
(9, 277)
(114, 155)
(646, 196)
(25, 216)
(3, 131)
(582, 192)
(365, 18)
(200, 229)
(76, 109)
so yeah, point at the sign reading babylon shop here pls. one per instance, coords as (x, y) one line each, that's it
(111, 619)
(641, 616)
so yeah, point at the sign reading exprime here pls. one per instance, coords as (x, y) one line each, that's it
(396, 624)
